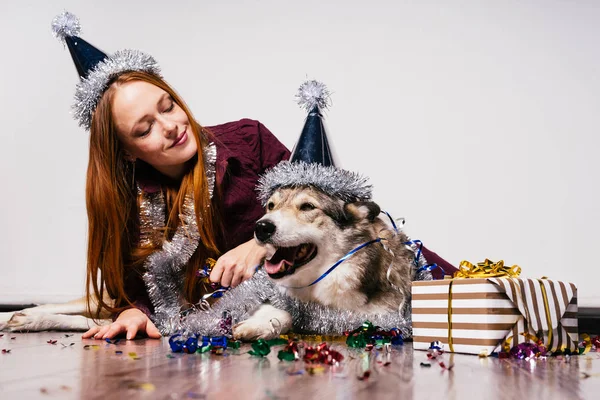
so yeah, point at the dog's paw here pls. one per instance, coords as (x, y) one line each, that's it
(23, 322)
(254, 329)
(4, 318)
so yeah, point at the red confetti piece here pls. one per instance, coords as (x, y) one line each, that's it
(5, 351)
(1, 334)
(322, 354)
(364, 376)
(51, 341)
(13, 338)
(449, 367)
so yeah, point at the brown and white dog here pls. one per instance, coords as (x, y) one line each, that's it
(306, 232)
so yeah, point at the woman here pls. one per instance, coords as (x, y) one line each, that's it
(150, 164)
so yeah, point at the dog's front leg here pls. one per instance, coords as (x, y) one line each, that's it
(267, 322)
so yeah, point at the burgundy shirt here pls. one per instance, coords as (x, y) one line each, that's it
(245, 150)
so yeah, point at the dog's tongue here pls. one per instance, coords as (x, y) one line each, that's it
(282, 258)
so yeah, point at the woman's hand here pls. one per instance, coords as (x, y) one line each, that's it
(238, 264)
(130, 321)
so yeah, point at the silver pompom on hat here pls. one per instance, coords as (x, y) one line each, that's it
(312, 162)
(95, 68)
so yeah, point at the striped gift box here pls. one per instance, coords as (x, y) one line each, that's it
(485, 313)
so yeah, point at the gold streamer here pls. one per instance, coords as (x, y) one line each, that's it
(314, 338)
(486, 269)
(450, 344)
(588, 342)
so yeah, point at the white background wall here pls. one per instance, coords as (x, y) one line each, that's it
(476, 120)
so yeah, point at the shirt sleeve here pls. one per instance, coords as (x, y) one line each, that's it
(272, 151)
(444, 267)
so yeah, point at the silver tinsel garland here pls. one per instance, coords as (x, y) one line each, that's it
(90, 89)
(307, 317)
(164, 276)
(345, 185)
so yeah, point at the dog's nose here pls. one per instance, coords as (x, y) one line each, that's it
(264, 230)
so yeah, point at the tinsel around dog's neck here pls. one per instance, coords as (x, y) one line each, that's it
(336, 182)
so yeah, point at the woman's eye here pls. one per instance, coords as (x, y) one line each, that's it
(146, 132)
(307, 207)
(171, 107)
(271, 205)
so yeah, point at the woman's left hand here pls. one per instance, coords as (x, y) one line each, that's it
(238, 264)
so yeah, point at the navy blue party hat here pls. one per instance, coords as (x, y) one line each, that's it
(312, 162)
(96, 69)
(312, 145)
(66, 27)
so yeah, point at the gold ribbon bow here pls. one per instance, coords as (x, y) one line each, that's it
(486, 269)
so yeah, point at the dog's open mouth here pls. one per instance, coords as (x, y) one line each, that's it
(286, 260)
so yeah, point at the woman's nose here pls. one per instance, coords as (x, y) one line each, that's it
(170, 128)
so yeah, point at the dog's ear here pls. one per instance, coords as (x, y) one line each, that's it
(363, 210)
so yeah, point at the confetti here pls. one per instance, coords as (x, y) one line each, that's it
(118, 352)
(5, 351)
(143, 386)
(193, 395)
(425, 365)
(91, 346)
(133, 356)
(449, 367)
(67, 345)
(52, 341)
(315, 369)
(364, 376)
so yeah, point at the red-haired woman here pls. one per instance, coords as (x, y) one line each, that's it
(163, 193)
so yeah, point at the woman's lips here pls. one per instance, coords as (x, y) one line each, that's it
(181, 140)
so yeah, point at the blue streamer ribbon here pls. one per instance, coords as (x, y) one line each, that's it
(334, 266)
(418, 254)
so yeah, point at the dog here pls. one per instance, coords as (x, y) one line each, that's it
(305, 232)
(71, 316)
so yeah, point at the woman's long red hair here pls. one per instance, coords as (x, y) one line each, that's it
(111, 197)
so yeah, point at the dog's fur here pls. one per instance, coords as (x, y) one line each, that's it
(71, 316)
(373, 280)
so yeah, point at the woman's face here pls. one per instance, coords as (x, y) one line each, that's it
(153, 128)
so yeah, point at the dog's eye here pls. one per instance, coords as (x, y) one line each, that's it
(307, 207)
(271, 205)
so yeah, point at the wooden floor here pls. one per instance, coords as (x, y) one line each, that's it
(147, 369)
